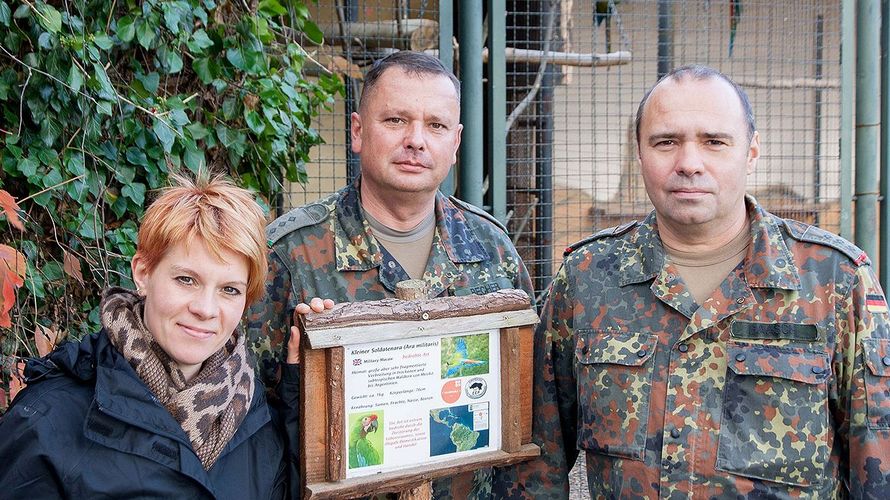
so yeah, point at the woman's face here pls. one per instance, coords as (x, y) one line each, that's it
(193, 301)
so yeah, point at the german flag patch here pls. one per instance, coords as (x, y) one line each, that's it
(876, 303)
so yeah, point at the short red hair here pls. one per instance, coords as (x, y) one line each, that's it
(213, 209)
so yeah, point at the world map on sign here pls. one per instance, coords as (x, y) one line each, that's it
(452, 430)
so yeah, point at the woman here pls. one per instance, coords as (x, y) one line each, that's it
(162, 402)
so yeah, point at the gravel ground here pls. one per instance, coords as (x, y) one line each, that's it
(578, 480)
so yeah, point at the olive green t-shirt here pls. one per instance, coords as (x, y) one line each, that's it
(410, 248)
(703, 272)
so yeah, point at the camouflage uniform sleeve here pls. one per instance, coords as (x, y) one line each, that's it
(269, 321)
(862, 368)
(554, 423)
(523, 281)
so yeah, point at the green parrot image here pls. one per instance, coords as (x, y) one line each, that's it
(361, 451)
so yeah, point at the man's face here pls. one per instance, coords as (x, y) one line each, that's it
(407, 132)
(695, 154)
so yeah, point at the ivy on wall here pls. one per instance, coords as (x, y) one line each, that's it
(101, 99)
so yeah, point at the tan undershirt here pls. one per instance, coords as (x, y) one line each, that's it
(704, 272)
(410, 248)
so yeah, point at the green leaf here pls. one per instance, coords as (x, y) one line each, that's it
(74, 163)
(49, 132)
(135, 192)
(165, 134)
(236, 57)
(272, 8)
(28, 166)
(22, 11)
(200, 41)
(106, 90)
(145, 33)
(124, 174)
(171, 18)
(75, 78)
(126, 29)
(197, 130)
(312, 32)
(202, 68)
(5, 13)
(193, 158)
(105, 108)
(171, 60)
(178, 117)
(150, 81)
(229, 108)
(137, 157)
(226, 135)
(255, 122)
(49, 17)
(103, 41)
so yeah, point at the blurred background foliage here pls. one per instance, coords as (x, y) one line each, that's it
(99, 101)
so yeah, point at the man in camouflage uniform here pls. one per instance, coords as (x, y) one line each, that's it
(407, 133)
(773, 383)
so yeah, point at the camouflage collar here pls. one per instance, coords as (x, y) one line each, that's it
(356, 247)
(461, 244)
(769, 263)
(358, 250)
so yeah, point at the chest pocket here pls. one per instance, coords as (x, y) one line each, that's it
(775, 414)
(877, 380)
(614, 379)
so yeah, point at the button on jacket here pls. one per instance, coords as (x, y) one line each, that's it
(86, 426)
(775, 387)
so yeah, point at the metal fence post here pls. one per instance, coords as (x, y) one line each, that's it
(497, 107)
(868, 122)
(471, 109)
(446, 55)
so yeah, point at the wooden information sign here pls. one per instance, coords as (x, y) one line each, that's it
(397, 393)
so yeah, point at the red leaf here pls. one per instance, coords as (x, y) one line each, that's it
(45, 339)
(10, 208)
(17, 380)
(71, 265)
(14, 264)
(12, 275)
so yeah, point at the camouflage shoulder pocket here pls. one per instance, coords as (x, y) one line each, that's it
(775, 414)
(876, 353)
(614, 378)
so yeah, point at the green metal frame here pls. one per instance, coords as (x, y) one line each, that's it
(848, 67)
(446, 55)
(471, 110)
(497, 107)
(868, 122)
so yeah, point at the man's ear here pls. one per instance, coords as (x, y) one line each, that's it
(460, 129)
(753, 152)
(355, 132)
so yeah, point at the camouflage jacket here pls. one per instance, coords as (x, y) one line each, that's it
(778, 386)
(326, 249)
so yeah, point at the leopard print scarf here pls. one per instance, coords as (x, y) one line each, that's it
(212, 405)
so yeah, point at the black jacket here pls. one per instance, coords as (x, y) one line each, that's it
(87, 427)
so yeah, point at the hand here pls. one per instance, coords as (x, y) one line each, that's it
(293, 346)
(315, 305)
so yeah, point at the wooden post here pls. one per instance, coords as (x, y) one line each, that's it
(414, 290)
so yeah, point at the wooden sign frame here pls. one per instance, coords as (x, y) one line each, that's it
(325, 335)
